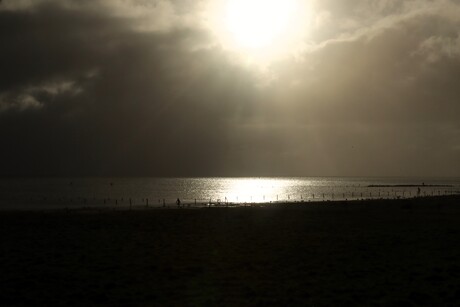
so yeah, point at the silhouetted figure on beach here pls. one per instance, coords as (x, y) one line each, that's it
(418, 191)
(178, 203)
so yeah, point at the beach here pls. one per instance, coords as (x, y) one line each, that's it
(360, 253)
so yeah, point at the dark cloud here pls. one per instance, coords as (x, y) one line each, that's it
(148, 103)
(92, 91)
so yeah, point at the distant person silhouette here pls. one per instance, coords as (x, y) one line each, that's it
(178, 203)
(418, 191)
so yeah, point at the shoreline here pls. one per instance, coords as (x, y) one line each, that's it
(268, 205)
(409, 185)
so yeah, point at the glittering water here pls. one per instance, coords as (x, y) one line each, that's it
(27, 193)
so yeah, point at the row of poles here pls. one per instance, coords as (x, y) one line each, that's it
(290, 198)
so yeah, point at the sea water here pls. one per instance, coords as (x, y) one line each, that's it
(41, 193)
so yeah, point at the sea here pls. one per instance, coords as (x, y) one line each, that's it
(56, 193)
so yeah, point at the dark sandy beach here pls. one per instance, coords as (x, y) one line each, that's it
(381, 253)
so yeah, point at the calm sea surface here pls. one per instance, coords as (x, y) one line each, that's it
(39, 193)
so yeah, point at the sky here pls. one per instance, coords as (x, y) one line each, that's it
(173, 88)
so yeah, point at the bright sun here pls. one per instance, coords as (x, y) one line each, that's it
(259, 30)
(258, 23)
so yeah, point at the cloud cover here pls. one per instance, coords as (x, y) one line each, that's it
(144, 88)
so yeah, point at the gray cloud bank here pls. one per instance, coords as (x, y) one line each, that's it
(142, 88)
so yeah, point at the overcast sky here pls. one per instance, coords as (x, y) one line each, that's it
(150, 88)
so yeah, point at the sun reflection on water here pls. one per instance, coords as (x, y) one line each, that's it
(256, 190)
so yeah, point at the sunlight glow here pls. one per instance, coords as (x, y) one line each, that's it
(257, 23)
(259, 31)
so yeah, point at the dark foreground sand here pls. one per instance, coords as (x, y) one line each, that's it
(383, 253)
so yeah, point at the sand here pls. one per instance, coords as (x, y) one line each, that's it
(381, 253)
